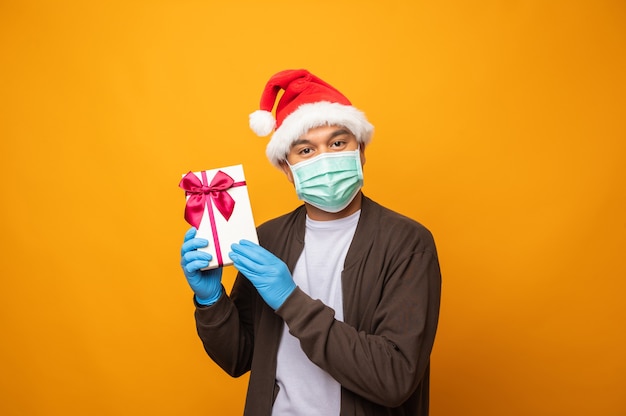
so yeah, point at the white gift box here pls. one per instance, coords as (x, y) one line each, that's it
(221, 230)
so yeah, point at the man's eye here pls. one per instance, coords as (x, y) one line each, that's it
(305, 151)
(338, 143)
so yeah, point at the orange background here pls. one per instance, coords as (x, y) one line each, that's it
(500, 125)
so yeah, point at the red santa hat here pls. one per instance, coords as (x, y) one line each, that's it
(307, 102)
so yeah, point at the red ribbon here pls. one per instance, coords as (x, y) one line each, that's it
(201, 195)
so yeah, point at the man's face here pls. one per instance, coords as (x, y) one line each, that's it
(320, 140)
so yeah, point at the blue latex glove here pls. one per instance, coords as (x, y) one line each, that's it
(265, 271)
(206, 284)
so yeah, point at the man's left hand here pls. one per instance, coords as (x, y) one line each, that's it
(269, 274)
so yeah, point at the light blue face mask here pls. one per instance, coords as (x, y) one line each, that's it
(329, 181)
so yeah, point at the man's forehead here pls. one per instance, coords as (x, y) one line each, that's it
(325, 132)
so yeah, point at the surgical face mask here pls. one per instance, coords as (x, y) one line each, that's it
(329, 181)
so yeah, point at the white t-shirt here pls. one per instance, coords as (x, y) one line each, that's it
(306, 389)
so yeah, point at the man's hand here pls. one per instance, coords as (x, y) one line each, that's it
(265, 271)
(206, 284)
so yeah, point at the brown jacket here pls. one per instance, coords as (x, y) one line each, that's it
(380, 353)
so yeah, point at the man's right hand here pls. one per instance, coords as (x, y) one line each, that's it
(206, 284)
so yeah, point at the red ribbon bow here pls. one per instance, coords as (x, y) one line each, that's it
(200, 195)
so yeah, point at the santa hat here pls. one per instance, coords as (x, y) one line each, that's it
(307, 102)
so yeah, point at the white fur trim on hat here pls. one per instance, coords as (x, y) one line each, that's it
(308, 116)
(262, 122)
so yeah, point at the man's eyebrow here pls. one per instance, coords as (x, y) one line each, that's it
(339, 132)
(300, 141)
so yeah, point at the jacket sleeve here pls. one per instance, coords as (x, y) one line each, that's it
(226, 328)
(383, 361)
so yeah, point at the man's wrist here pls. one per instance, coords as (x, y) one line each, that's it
(209, 301)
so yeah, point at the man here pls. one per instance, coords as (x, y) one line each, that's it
(335, 312)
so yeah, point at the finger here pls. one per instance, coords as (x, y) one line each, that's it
(191, 233)
(194, 244)
(252, 251)
(247, 267)
(196, 265)
(196, 255)
(193, 256)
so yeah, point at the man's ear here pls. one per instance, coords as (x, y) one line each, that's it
(286, 170)
(362, 152)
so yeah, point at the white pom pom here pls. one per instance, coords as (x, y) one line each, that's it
(262, 122)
